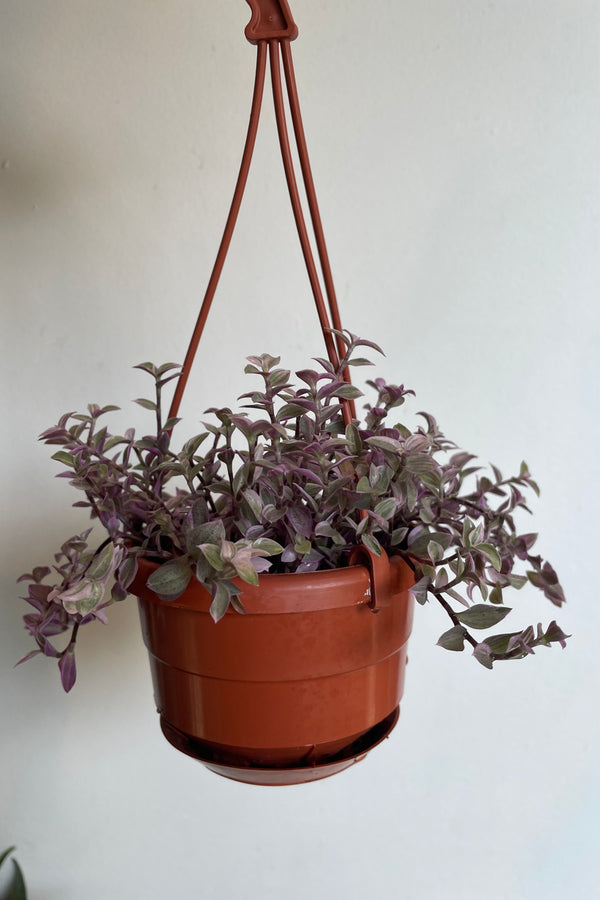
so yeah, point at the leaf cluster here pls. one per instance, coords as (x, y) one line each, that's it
(284, 485)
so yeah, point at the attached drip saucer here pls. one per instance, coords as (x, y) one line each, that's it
(231, 765)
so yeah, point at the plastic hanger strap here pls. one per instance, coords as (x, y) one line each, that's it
(272, 28)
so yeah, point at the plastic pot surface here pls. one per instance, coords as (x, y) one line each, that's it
(301, 686)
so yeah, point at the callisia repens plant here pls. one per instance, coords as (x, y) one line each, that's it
(282, 485)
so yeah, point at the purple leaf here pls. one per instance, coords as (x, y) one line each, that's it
(289, 555)
(220, 601)
(49, 649)
(301, 520)
(28, 656)
(554, 633)
(68, 670)
(483, 655)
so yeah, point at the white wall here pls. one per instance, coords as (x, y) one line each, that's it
(454, 147)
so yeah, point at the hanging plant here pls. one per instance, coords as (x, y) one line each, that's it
(284, 486)
(264, 522)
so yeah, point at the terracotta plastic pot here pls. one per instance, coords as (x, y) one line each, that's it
(300, 687)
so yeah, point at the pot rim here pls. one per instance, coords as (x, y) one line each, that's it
(286, 592)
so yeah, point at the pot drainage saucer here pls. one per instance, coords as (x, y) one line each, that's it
(251, 773)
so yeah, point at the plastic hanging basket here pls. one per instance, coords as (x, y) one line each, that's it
(310, 679)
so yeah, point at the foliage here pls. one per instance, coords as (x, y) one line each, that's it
(14, 888)
(288, 487)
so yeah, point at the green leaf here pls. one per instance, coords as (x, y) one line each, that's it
(242, 564)
(453, 639)
(492, 554)
(411, 495)
(279, 378)
(227, 551)
(171, 579)
(266, 545)
(419, 590)
(468, 527)
(441, 579)
(385, 509)
(458, 566)
(113, 442)
(498, 643)
(353, 438)
(147, 404)
(482, 655)
(456, 596)
(302, 545)
(210, 532)
(348, 392)
(360, 361)
(434, 551)
(193, 538)
(381, 442)
(496, 594)
(212, 554)
(220, 602)
(420, 464)
(167, 367)
(254, 502)
(84, 597)
(101, 564)
(64, 457)
(362, 527)
(372, 544)
(398, 535)
(147, 367)
(426, 512)
(271, 514)
(190, 447)
(497, 472)
(361, 342)
(518, 581)
(269, 362)
(290, 411)
(482, 616)
(420, 539)
(95, 596)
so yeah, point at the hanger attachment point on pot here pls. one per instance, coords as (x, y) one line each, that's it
(380, 572)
